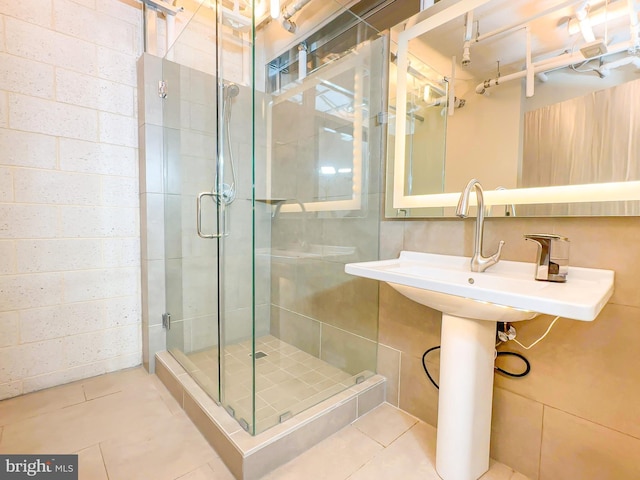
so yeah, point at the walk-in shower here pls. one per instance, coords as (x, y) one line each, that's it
(269, 188)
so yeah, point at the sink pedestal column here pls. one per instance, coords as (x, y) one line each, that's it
(465, 397)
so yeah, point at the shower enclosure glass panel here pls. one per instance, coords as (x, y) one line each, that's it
(207, 204)
(267, 196)
(322, 182)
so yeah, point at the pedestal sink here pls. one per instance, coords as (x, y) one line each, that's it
(471, 304)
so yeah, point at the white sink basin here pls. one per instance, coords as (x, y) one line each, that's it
(506, 292)
(471, 304)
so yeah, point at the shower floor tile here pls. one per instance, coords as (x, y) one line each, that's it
(126, 425)
(288, 380)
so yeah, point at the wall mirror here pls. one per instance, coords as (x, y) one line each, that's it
(535, 98)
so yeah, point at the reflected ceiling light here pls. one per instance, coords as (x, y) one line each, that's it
(598, 16)
(261, 8)
(427, 93)
(328, 170)
(344, 170)
(275, 8)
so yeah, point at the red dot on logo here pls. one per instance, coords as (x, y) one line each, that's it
(48, 463)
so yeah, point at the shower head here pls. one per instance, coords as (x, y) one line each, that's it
(232, 90)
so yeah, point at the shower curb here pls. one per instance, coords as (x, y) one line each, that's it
(251, 457)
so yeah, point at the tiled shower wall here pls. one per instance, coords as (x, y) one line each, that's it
(576, 415)
(69, 235)
(178, 138)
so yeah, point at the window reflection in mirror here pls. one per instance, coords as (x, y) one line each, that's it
(319, 129)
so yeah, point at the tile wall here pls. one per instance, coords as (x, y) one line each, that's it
(178, 135)
(69, 208)
(316, 306)
(576, 415)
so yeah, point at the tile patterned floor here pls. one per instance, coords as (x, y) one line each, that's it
(288, 380)
(126, 426)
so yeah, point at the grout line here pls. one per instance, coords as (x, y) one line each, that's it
(544, 408)
(621, 432)
(399, 380)
(104, 463)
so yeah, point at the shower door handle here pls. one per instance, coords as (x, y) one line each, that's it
(199, 215)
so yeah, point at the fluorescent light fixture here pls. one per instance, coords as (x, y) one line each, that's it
(275, 8)
(344, 170)
(327, 170)
(346, 137)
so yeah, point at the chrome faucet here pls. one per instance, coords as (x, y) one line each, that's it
(478, 262)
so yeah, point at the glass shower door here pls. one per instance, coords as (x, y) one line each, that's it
(192, 225)
(208, 207)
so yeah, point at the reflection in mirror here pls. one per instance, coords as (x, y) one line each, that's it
(508, 60)
(426, 123)
(318, 132)
(589, 139)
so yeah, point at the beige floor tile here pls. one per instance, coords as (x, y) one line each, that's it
(518, 476)
(497, 471)
(91, 422)
(410, 457)
(203, 472)
(385, 423)
(40, 403)
(171, 448)
(114, 382)
(215, 470)
(333, 459)
(91, 465)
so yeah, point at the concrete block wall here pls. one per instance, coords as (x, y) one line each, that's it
(69, 208)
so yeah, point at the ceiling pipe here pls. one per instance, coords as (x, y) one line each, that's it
(604, 13)
(523, 23)
(289, 11)
(452, 89)
(161, 6)
(635, 27)
(606, 68)
(468, 32)
(546, 66)
(582, 15)
(530, 71)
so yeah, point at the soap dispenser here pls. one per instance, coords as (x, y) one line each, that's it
(553, 256)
